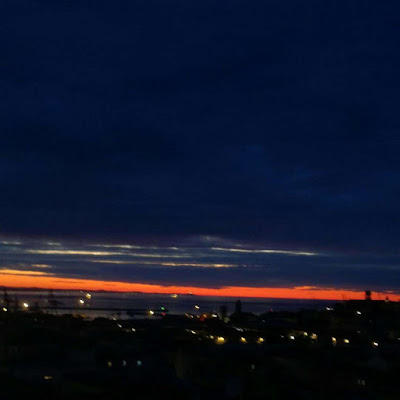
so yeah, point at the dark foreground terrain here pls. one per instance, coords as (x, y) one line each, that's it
(349, 352)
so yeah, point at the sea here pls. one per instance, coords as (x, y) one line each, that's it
(115, 305)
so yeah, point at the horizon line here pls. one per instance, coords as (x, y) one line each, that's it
(24, 282)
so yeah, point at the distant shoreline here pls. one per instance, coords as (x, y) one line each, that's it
(247, 299)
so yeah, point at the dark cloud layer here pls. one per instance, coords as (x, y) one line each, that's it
(274, 122)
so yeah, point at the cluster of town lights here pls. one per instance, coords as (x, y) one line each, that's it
(221, 339)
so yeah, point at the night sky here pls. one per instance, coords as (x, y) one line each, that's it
(202, 144)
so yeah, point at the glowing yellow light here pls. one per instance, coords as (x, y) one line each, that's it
(109, 364)
(88, 296)
(243, 339)
(151, 312)
(333, 340)
(81, 301)
(26, 305)
(347, 341)
(220, 339)
(5, 309)
(211, 337)
(47, 377)
(305, 334)
(314, 336)
(197, 307)
(376, 344)
(133, 330)
(291, 337)
(260, 340)
(174, 296)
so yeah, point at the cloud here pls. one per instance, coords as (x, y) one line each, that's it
(24, 272)
(268, 125)
(268, 251)
(197, 263)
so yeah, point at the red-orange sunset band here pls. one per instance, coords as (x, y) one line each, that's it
(51, 282)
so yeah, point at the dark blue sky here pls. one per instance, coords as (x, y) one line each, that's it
(273, 123)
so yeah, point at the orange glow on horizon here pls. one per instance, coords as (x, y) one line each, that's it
(303, 292)
(22, 272)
